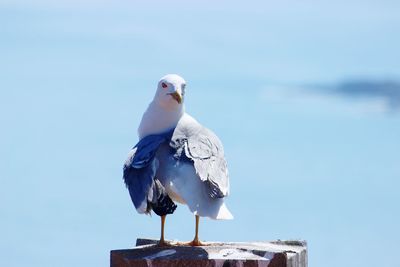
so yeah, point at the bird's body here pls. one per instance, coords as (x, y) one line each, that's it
(181, 179)
(176, 159)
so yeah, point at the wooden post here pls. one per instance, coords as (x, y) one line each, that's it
(265, 254)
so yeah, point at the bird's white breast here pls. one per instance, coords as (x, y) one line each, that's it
(157, 120)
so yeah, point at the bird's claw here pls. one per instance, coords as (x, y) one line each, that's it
(163, 243)
(195, 243)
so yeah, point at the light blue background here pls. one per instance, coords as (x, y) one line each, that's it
(75, 77)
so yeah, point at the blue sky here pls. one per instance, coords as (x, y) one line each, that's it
(75, 77)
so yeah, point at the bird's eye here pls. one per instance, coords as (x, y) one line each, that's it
(164, 85)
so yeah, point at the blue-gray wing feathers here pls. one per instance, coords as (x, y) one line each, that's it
(206, 151)
(140, 169)
(201, 147)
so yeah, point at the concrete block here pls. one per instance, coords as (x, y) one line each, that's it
(215, 254)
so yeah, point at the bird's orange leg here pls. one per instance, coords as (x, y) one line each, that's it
(162, 241)
(196, 242)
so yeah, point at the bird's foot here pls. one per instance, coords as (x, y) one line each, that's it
(194, 243)
(163, 243)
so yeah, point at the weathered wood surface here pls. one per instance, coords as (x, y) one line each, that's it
(265, 254)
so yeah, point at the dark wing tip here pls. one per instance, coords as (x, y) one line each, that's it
(161, 203)
(215, 191)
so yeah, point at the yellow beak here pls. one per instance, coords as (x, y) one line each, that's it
(177, 97)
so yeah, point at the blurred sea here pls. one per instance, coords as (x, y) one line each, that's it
(309, 119)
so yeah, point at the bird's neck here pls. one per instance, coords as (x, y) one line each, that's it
(158, 119)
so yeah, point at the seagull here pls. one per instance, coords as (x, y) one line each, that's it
(177, 160)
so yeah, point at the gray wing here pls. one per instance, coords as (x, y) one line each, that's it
(140, 169)
(205, 150)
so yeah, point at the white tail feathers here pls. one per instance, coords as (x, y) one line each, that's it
(224, 213)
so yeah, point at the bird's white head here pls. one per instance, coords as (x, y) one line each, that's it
(170, 91)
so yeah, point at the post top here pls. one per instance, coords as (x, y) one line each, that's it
(272, 254)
